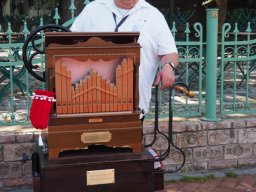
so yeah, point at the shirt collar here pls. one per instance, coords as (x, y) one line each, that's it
(109, 5)
(141, 3)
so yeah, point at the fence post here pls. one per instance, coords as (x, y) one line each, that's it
(211, 64)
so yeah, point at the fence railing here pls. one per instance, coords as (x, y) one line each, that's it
(235, 68)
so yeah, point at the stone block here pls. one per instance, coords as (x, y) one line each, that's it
(224, 124)
(225, 136)
(192, 139)
(234, 151)
(160, 142)
(247, 135)
(7, 138)
(238, 124)
(1, 153)
(254, 150)
(10, 170)
(251, 123)
(14, 152)
(148, 129)
(163, 127)
(175, 157)
(209, 125)
(179, 127)
(148, 138)
(203, 154)
(219, 165)
(194, 126)
(27, 169)
(195, 167)
(17, 182)
(247, 162)
(20, 138)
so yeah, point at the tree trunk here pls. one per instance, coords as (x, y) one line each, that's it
(65, 12)
(223, 7)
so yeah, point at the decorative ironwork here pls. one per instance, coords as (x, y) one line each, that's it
(36, 38)
(242, 17)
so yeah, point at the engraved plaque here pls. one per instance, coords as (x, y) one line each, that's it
(96, 137)
(96, 120)
(98, 177)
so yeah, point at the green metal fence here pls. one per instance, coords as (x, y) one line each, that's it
(237, 70)
(222, 74)
(190, 72)
(16, 84)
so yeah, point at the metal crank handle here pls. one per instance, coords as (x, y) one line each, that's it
(184, 90)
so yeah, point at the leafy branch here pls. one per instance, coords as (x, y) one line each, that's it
(207, 2)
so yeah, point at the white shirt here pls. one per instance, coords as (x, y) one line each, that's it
(155, 36)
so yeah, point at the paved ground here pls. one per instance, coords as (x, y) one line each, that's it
(225, 181)
(243, 183)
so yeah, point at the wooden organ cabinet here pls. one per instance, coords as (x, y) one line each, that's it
(95, 79)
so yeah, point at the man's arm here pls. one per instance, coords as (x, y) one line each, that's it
(166, 75)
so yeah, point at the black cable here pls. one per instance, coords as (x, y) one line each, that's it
(170, 129)
(156, 119)
(168, 137)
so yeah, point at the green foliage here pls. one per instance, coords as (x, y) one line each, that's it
(54, 2)
(171, 181)
(188, 179)
(231, 174)
(207, 2)
(17, 22)
(250, 2)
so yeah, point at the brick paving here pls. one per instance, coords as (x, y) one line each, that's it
(240, 183)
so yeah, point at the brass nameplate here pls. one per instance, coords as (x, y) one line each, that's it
(96, 137)
(98, 177)
(214, 14)
(96, 120)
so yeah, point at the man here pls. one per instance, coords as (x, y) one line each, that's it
(156, 40)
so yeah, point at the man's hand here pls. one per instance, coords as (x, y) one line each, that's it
(166, 76)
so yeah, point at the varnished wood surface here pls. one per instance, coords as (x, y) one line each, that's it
(62, 138)
(133, 172)
(93, 46)
(74, 37)
(77, 119)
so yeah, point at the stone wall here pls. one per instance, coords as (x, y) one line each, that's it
(14, 142)
(208, 146)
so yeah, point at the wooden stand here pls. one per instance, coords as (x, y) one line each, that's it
(158, 179)
(97, 172)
